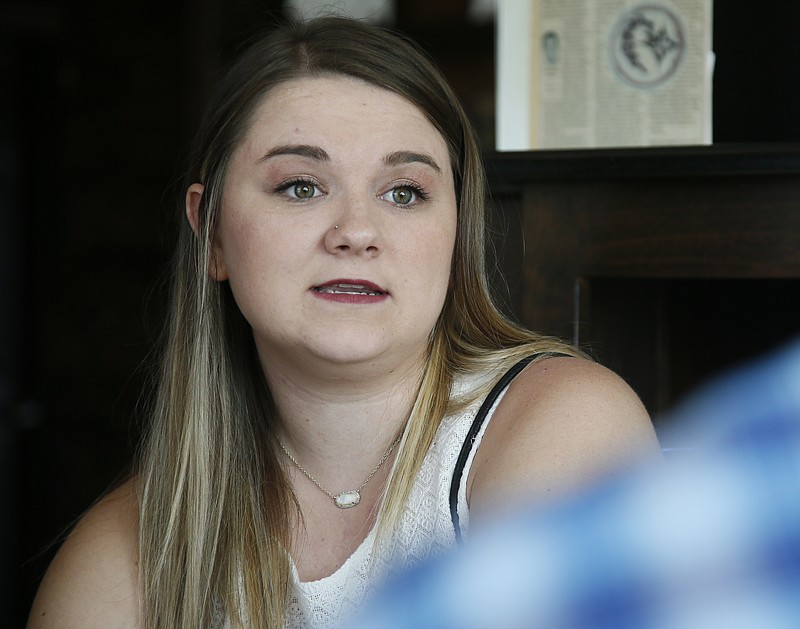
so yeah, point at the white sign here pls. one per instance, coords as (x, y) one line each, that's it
(603, 73)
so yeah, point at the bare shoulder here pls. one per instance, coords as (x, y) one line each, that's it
(562, 423)
(92, 580)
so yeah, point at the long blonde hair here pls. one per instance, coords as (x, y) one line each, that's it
(214, 500)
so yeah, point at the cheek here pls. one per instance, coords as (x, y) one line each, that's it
(434, 255)
(446, 240)
(267, 263)
(247, 251)
(239, 242)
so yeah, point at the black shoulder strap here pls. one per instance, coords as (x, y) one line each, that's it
(474, 429)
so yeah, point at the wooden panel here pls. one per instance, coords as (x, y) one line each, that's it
(747, 226)
(551, 260)
(623, 249)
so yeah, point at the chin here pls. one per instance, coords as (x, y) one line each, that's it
(354, 356)
(361, 350)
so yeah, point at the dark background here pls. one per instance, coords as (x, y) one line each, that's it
(98, 102)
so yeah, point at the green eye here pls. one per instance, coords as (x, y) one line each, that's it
(403, 195)
(304, 190)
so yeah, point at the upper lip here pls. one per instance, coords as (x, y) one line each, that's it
(352, 284)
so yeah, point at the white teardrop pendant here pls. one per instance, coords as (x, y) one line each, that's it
(347, 499)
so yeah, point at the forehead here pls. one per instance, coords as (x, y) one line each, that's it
(339, 111)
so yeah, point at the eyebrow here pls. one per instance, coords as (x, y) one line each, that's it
(303, 150)
(398, 158)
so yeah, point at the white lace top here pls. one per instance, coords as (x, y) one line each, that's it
(425, 528)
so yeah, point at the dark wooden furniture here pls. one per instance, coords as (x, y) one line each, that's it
(669, 264)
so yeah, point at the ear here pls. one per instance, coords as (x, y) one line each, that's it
(194, 196)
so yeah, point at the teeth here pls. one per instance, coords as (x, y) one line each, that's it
(347, 289)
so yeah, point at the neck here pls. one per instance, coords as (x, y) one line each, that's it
(342, 425)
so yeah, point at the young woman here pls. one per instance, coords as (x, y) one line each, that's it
(339, 397)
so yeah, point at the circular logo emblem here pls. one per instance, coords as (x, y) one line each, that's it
(647, 45)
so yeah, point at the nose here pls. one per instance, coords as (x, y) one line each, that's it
(354, 230)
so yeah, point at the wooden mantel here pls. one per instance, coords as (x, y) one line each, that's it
(633, 222)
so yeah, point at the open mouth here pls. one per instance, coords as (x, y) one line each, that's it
(348, 289)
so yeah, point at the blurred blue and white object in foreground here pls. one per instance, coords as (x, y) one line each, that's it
(709, 540)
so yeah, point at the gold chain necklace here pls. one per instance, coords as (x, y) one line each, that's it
(345, 499)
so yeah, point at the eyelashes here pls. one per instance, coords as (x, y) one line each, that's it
(403, 194)
(300, 189)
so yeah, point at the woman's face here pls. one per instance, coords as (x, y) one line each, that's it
(337, 225)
